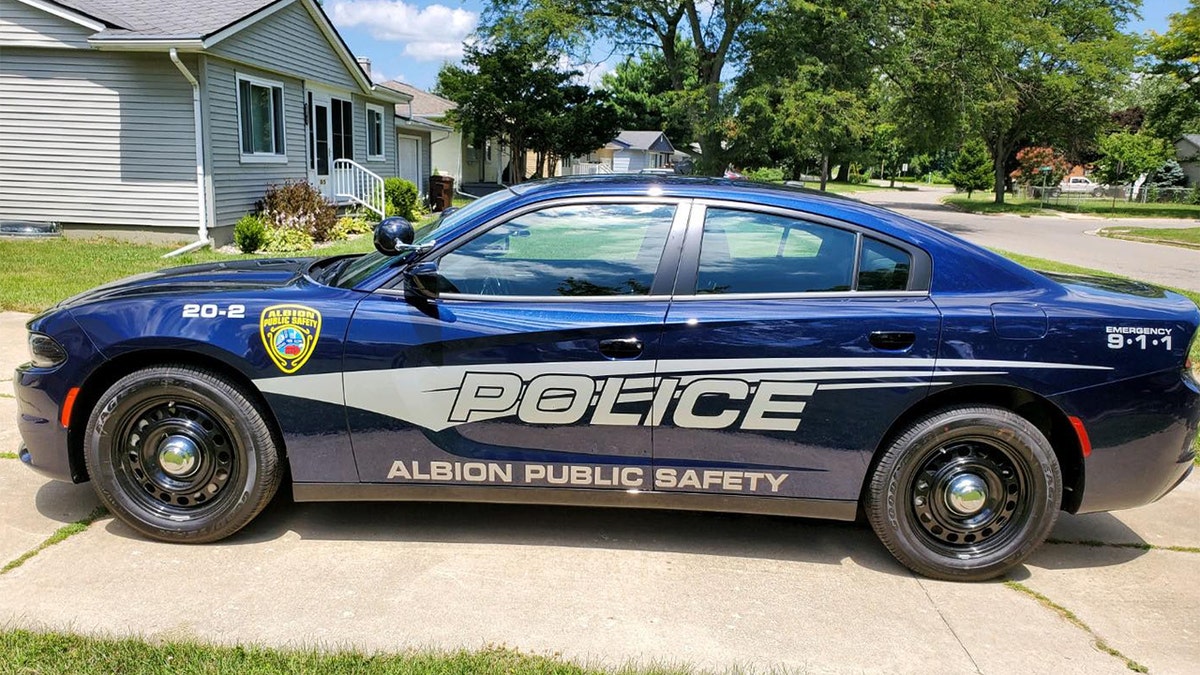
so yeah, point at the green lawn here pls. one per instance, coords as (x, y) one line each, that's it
(982, 202)
(24, 651)
(851, 188)
(1188, 237)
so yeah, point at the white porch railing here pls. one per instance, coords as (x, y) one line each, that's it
(588, 168)
(358, 184)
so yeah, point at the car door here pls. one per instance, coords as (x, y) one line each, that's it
(791, 345)
(533, 365)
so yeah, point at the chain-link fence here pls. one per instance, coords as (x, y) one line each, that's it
(1113, 197)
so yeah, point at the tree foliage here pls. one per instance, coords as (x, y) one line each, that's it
(514, 91)
(1041, 165)
(1126, 156)
(1173, 86)
(972, 168)
(644, 97)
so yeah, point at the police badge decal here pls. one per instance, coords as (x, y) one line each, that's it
(289, 333)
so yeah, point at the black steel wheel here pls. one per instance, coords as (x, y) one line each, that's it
(965, 493)
(181, 454)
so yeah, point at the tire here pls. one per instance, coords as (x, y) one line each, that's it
(1098, 192)
(220, 467)
(969, 535)
(1055, 193)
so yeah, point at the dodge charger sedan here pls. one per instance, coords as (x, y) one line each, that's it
(641, 341)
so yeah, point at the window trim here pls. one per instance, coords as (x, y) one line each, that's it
(280, 157)
(919, 280)
(660, 286)
(382, 156)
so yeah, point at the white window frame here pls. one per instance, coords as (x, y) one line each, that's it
(262, 157)
(382, 156)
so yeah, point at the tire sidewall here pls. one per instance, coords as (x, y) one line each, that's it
(223, 402)
(901, 534)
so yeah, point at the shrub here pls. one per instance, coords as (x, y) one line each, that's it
(400, 198)
(349, 225)
(297, 205)
(972, 168)
(288, 240)
(766, 174)
(250, 233)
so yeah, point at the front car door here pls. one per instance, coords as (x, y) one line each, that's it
(791, 345)
(534, 365)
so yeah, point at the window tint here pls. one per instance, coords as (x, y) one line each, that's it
(883, 267)
(745, 252)
(577, 250)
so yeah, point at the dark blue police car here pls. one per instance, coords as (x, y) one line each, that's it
(642, 342)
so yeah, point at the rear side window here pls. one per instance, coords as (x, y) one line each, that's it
(883, 267)
(748, 252)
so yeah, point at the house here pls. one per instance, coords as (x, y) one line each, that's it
(1187, 151)
(629, 152)
(168, 119)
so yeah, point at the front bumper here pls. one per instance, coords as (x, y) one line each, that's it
(45, 446)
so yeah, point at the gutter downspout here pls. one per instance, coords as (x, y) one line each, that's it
(201, 190)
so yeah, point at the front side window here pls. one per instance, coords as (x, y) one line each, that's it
(580, 250)
(260, 114)
(375, 132)
(748, 252)
(343, 129)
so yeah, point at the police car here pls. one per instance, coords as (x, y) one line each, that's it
(643, 341)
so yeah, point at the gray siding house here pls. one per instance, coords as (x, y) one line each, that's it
(168, 119)
(629, 152)
(1187, 151)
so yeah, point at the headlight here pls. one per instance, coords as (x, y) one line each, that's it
(44, 352)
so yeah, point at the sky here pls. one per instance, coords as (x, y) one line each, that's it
(409, 40)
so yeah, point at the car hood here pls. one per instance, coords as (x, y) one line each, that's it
(232, 275)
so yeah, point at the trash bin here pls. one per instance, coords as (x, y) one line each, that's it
(441, 192)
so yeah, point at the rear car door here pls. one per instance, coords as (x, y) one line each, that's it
(533, 366)
(791, 345)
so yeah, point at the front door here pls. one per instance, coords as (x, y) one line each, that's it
(320, 149)
(791, 346)
(408, 159)
(534, 367)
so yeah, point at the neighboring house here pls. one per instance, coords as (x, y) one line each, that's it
(162, 119)
(424, 140)
(1187, 151)
(629, 152)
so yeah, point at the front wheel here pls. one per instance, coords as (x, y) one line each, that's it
(965, 493)
(181, 454)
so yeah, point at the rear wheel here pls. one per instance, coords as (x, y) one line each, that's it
(181, 454)
(965, 493)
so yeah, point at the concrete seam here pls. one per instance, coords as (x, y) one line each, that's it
(949, 627)
(1143, 546)
(1070, 617)
(60, 535)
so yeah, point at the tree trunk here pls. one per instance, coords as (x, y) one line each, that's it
(824, 170)
(843, 174)
(999, 155)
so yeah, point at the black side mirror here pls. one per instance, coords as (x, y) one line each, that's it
(421, 280)
(394, 236)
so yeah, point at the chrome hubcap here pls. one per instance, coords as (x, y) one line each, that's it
(178, 456)
(966, 494)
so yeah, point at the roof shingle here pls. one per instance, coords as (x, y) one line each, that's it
(165, 18)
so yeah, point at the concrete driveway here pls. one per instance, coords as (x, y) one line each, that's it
(606, 587)
(1064, 238)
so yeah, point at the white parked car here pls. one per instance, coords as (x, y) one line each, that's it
(1078, 184)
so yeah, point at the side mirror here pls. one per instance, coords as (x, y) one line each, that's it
(394, 236)
(421, 280)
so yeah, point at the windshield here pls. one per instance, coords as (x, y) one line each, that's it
(353, 271)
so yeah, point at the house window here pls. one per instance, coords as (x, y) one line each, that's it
(260, 119)
(343, 128)
(374, 132)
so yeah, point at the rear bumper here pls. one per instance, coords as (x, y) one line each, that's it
(1143, 434)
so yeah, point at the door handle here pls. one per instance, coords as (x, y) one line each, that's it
(892, 340)
(621, 348)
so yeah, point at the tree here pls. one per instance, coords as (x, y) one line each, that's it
(714, 27)
(1174, 106)
(1014, 72)
(642, 93)
(972, 168)
(805, 89)
(1040, 165)
(514, 91)
(1125, 156)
